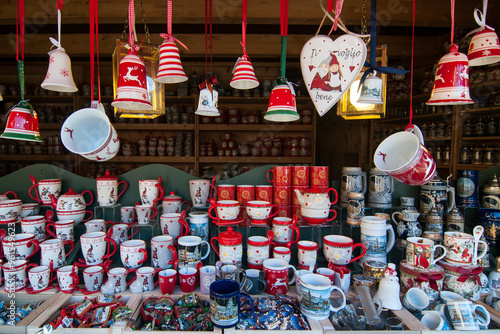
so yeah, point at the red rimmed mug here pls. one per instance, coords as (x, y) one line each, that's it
(307, 254)
(40, 277)
(163, 252)
(62, 229)
(144, 280)
(300, 176)
(93, 278)
(119, 232)
(261, 210)
(94, 248)
(259, 249)
(226, 192)
(67, 279)
(21, 246)
(225, 210)
(52, 252)
(276, 272)
(173, 224)
(143, 213)
(14, 274)
(245, 193)
(44, 188)
(117, 281)
(281, 176)
(151, 191)
(200, 191)
(133, 253)
(338, 249)
(35, 225)
(264, 193)
(283, 229)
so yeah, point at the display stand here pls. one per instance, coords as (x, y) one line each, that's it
(108, 213)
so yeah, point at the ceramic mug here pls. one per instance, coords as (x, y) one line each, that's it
(259, 211)
(10, 210)
(107, 189)
(20, 246)
(319, 176)
(167, 280)
(258, 250)
(35, 225)
(40, 277)
(327, 272)
(338, 249)
(342, 277)
(133, 253)
(281, 176)
(264, 193)
(465, 315)
(403, 156)
(189, 250)
(226, 192)
(415, 300)
(225, 303)
(245, 193)
(163, 252)
(298, 274)
(434, 321)
(188, 279)
(127, 214)
(307, 254)
(144, 280)
(283, 229)
(62, 229)
(93, 277)
(45, 188)
(276, 273)
(198, 224)
(420, 252)
(94, 247)
(316, 292)
(207, 277)
(172, 224)
(225, 210)
(300, 176)
(200, 192)
(173, 204)
(119, 232)
(283, 253)
(255, 283)
(145, 213)
(150, 191)
(230, 271)
(29, 209)
(52, 252)
(461, 247)
(117, 281)
(378, 237)
(67, 278)
(14, 273)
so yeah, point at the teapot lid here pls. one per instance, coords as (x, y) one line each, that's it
(71, 192)
(172, 197)
(107, 177)
(316, 190)
(493, 186)
(230, 237)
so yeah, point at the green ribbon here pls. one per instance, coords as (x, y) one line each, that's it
(20, 71)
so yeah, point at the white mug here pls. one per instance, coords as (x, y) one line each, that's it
(93, 277)
(94, 247)
(200, 191)
(67, 277)
(172, 224)
(163, 252)
(150, 191)
(39, 277)
(52, 252)
(145, 213)
(127, 214)
(144, 280)
(133, 253)
(35, 225)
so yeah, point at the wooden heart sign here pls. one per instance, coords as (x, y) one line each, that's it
(330, 67)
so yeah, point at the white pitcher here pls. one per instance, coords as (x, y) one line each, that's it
(374, 236)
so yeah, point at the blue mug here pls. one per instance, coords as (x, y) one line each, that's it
(225, 303)
(467, 188)
(490, 219)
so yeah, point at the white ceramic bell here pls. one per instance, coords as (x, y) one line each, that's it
(484, 48)
(244, 75)
(371, 90)
(207, 104)
(388, 289)
(59, 77)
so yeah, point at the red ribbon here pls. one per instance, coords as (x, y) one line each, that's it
(172, 39)
(411, 71)
(208, 13)
(472, 274)
(284, 17)
(94, 43)
(244, 29)
(60, 4)
(431, 278)
(209, 83)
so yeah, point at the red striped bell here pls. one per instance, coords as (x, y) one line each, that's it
(132, 91)
(170, 68)
(22, 123)
(244, 75)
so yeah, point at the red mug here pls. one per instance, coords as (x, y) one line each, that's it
(276, 273)
(282, 195)
(300, 176)
(264, 193)
(167, 280)
(188, 279)
(245, 193)
(226, 192)
(319, 176)
(282, 176)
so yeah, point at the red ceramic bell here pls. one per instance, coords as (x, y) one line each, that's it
(244, 75)
(282, 107)
(170, 68)
(22, 123)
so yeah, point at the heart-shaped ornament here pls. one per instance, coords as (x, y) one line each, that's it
(330, 67)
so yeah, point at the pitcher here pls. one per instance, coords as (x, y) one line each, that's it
(408, 225)
(380, 189)
(374, 237)
(352, 180)
(439, 193)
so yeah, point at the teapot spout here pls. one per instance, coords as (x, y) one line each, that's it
(53, 201)
(300, 197)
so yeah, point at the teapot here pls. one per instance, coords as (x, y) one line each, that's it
(71, 201)
(3, 197)
(315, 198)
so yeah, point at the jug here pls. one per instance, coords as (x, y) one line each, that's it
(408, 225)
(374, 236)
(437, 192)
(352, 180)
(380, 189)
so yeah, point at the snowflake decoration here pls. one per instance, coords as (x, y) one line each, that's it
(51, 59)
(47, 76)
(64, 72)
(486, 52)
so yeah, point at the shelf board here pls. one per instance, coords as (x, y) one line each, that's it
(480, 138)
(271, 127)
(441, 165)
(50, 126)
(257, 160)
(475, 166)
(415, 117)
(481, 110)
(407, 99)
(176, 98)
(151, 159)
(483, 84)
(437, 139)
(257, 99)
(34, 99)
(153, 126)
(38, 157)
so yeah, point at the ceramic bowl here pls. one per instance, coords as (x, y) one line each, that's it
(77, 216)
(259, 210)
(228, 209)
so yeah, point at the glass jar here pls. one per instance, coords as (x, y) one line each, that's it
(492, 126)
(477, 155)
(464, 156)
(489, 155)
(468, 126)
(432, 130)
(479, 127)
(447, 154)
(438, 154)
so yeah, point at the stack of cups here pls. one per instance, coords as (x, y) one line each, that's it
(282, 189)
(226, 192)
(319, 177)
(244, 193)
(300, 182)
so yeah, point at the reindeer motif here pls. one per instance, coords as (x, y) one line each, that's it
(280, 282)
(464, 75)
(439, 77)
(130, 77)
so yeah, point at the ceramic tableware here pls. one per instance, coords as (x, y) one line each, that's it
(150, 191)
(163, 252)
(207, 277)
(230, 250)
(277, 276)
(283, 229)
(133, 253)
(378, 237)
(189, 250)
(283, 253)
(117, 281)
(40, 277)
(67, 278)
(167, 280)
(62, 229)
(225, 210)
(461, 247)
(338, 249)
(307, 254)
(225, 303)
(35, 225)
(145, 212)
(94, 246)
(107, 189)
(421, 252)
(20, 246)
(53, 253)
(198, 224)
(255, 283)
(93, 278)
(465, 315)
(173, 204)
(258, 249)
(315, 296)
(44, 188)
(14, 273)
(127, 214)
(144, 280)
(173, 224)
(415, 300)
(200, 192)
(120, 232)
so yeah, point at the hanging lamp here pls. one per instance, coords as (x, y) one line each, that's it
(451, 82)
(282, 106)
(484, 48)
(59, 77)
(22, 120)
(244, 75)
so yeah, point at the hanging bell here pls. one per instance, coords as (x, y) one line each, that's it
(484, 48)
(132, 92)
(282, 106)
(371, 90)
(59, 77)
(207, 104)
(170, 68)
(451, 83)
(244, 75)
(22, 123)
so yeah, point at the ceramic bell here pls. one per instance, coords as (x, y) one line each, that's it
(207, 104)
(371, 90)
(132, 91)
(388, 289)
(484, 48)
(282, 107)
(244, 75)
(22, 123)
(451, 83)
(170, 68)
(59, 77)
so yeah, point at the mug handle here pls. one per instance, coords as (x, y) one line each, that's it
(52, 272)
(267, 175)
(37, 198)
(277, 211)
(208, 249)
(49, 227)
(212, 186)
(416, 131)
(49, 215)
(184, 224)
(132, 279)
(247, 297)
(362, 253)
(131, 226)
(495, 199)
(336, 195)
(37, 247)
(215, 248)
(155, 211)
(158, 280)
(91, 215)
(297, 233)
(145, 253)
(76, 279)
(363, 177)
(485, 249)
(188, 205)
(333, 217)
(292, 280)
(174, 254)
(263, 282)
(91, 197)
(121, 192)
(109, 222)
(335, 309)
(442, 256)
(109, 240)
(71, 243)
(392, 238)
(213, 206)
(394, 219)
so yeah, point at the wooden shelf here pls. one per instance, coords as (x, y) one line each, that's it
(416, 97)
(272, 127)
(479, 138)
(427, 139)
(481, 110)
(475, 166)
(415, 117)
(484, 84)
(441, 165)
(152, 159)
(153, 126)
(34, 99)
(39, 157)
(256, 160)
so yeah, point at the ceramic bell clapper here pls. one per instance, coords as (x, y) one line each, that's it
(59, 77)
(451, 83)
(388, 289)
(132, 91)
(207, 103)
(371, 90)
(282, 107)
(22, 123)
